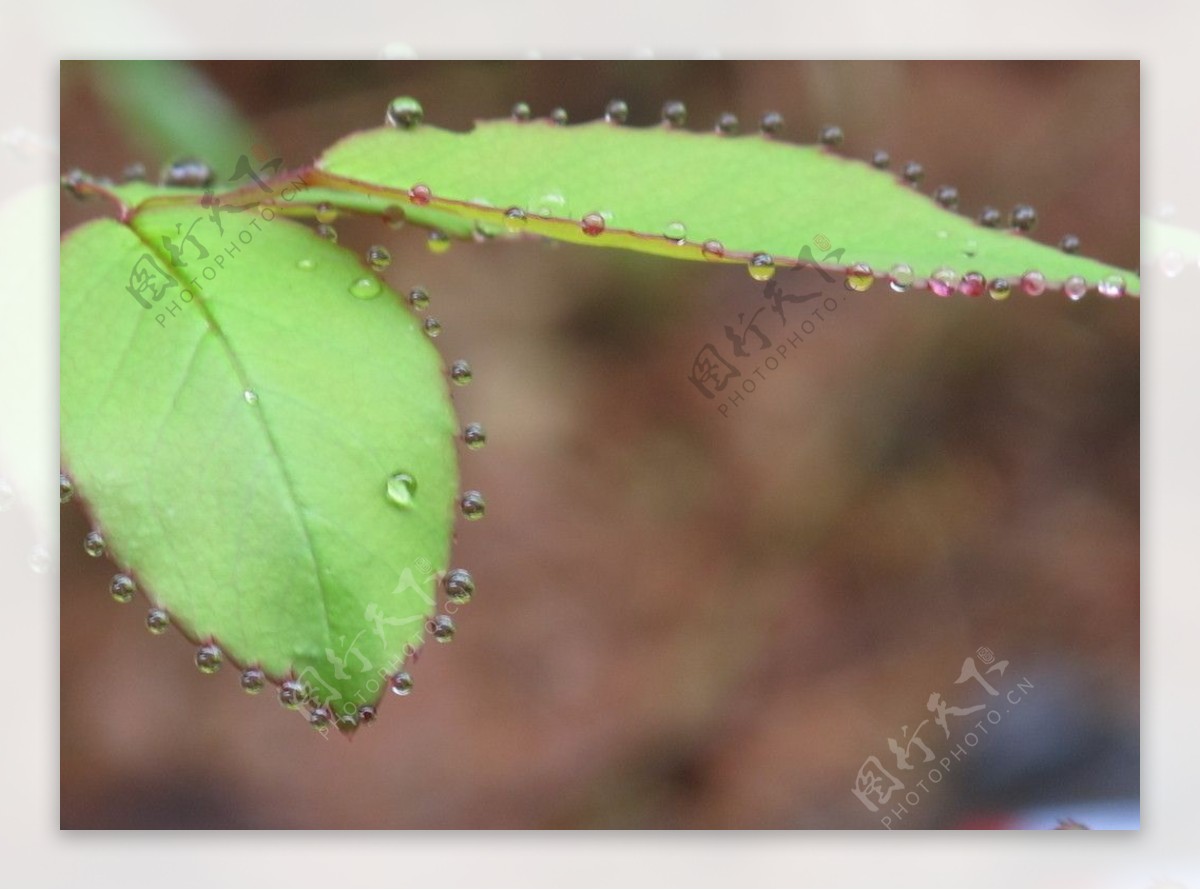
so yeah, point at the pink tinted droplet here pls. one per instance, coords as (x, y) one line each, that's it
(1033, 283)
(593, 224)
(420, 195)
(972, 285)
(943, 282)
(713, 250)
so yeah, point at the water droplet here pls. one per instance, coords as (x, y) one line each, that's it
(325, 213)
(329, 233)
(93, 544)
(437, 242)
(404, 112)
(418, 298)
(521, 112)
(762, 267)
(73, 181)
(402, 489)
(973, 284)
(831, 136)
(713, 250)
(433, 327)
(472, 505)
(553, 204)
(947, 196)
(188, 173)
(253, 680)
(971, 248)
(943, 281)
(900, 278)
(558, 117)
(1033, 283)
(402, 684)
(378, 258)
(859, 277)
(881, 160)
(135, 172)
(442, 628)
(394, 216)
(366, 715)
(616, 112)
(1172, 263)
(1111, 286)
(593, 224)
(320, 718)
(251, 397)
(66, 488)
(999, 288)
(674, 114)
(347, 723)
(157, 621)
(460, 372)
(420, 194)
(122, 588)
(1024, 218)
(727, 124)
(675, 232)
(474, 436)
(1069, 244)
(990, 217)
(459, 586)
(771, 124)
(292, 694)
(366, 287)
(307, 264)
(514, 219)
(913, 173)
(208, 659)
(1075, 287)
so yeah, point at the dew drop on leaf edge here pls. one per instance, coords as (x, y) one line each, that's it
(122, 588)
(459, 585)
(157, 621)
(460, 372)
(253, 680)
(472, 505)
(474, 436)
(378, 257)
(208, 659)
(93, 544)
(404, 112)
(761, 267)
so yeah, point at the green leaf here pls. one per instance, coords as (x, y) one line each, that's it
(750, 193)
(235, 441)
(658, 190)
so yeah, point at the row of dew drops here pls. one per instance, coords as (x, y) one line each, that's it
(407, 113)
(458, 585)
(400, 489)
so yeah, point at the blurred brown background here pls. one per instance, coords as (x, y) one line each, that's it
(686, 620)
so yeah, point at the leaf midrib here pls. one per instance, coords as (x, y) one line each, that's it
(240, 371)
